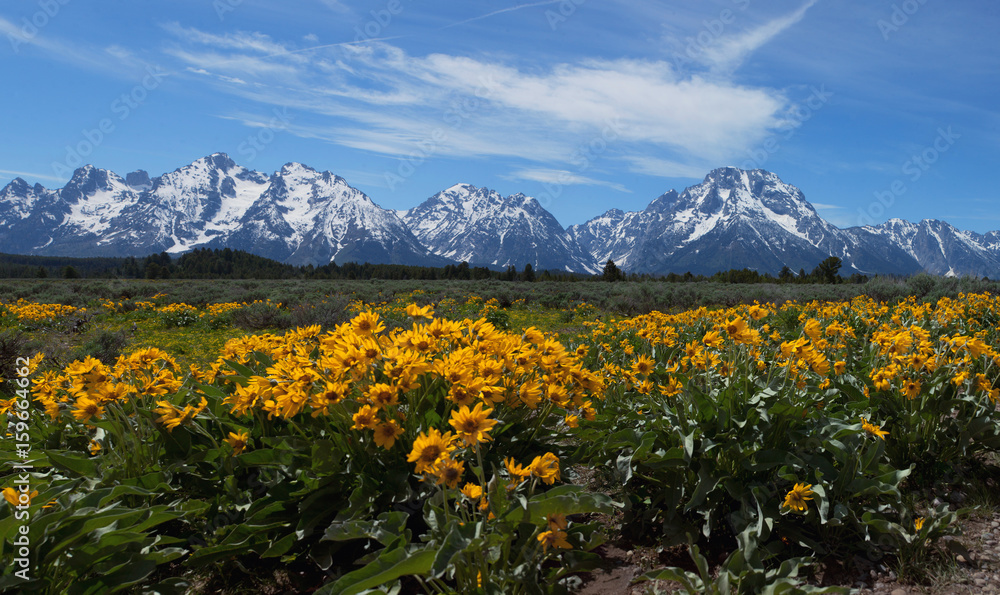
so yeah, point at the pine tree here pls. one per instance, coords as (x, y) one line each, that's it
(611, 272)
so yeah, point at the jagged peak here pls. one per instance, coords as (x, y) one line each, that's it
(462, 187)
(220, 161)
(295, 166)
(18, 184)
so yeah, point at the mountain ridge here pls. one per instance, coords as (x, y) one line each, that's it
(734, 218)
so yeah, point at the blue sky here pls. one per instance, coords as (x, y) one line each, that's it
(875, 109)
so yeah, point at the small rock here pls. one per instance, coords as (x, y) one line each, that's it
(957, 497)
(995, 524)
(898, 592)
(980, 582)
(961, 559)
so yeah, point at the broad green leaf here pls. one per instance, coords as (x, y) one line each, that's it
(390, 566)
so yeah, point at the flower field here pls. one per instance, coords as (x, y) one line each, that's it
(444, 446)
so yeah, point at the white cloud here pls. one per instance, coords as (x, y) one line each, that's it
(111, 60)
(336, 6)
(730, 52)
(231, 79)
(825, 207)
(28, 174)
(239, 41)
(311, 38)
(379, 98)
(562, 177)
(665, 168)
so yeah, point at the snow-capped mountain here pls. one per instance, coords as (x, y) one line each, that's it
(733, 219)
(481, 227)
(939, 248)
(304, 216)
(751, 219)
(297, 215)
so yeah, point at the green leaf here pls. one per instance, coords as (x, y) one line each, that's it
(241, 369)
(325, 458)
(267, 457)
(388, 567)
(385, 529)
(78, 465)
(564, 499)
(279, 547)
(453, 545)
(690, 581)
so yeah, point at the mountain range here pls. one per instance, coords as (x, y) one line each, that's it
(733, 219)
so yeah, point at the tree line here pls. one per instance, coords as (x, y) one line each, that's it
(226, 263)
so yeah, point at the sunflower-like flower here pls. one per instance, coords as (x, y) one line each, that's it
(415, 311)
(382, 395)
(911, 388)
(172, 416)
(516, 470)
(238, 440)
(712, 339)
(556, 521)
(554, 539)
(643, 365)
(367, 323)
(472, 491)
(386, 434)
(473, 426)
(449, 472)
(797, 496)
(14, 497)
(873, 429)
(429, 448)
(545, 467)
(365, 418)
(87, 408)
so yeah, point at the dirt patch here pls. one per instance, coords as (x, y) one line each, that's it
(977, 574)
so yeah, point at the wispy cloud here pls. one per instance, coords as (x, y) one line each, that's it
(501, 11)
(113, 60)
(730, 52)
(562, 177)
(379, 98)
(666, 168)
(28, 174)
